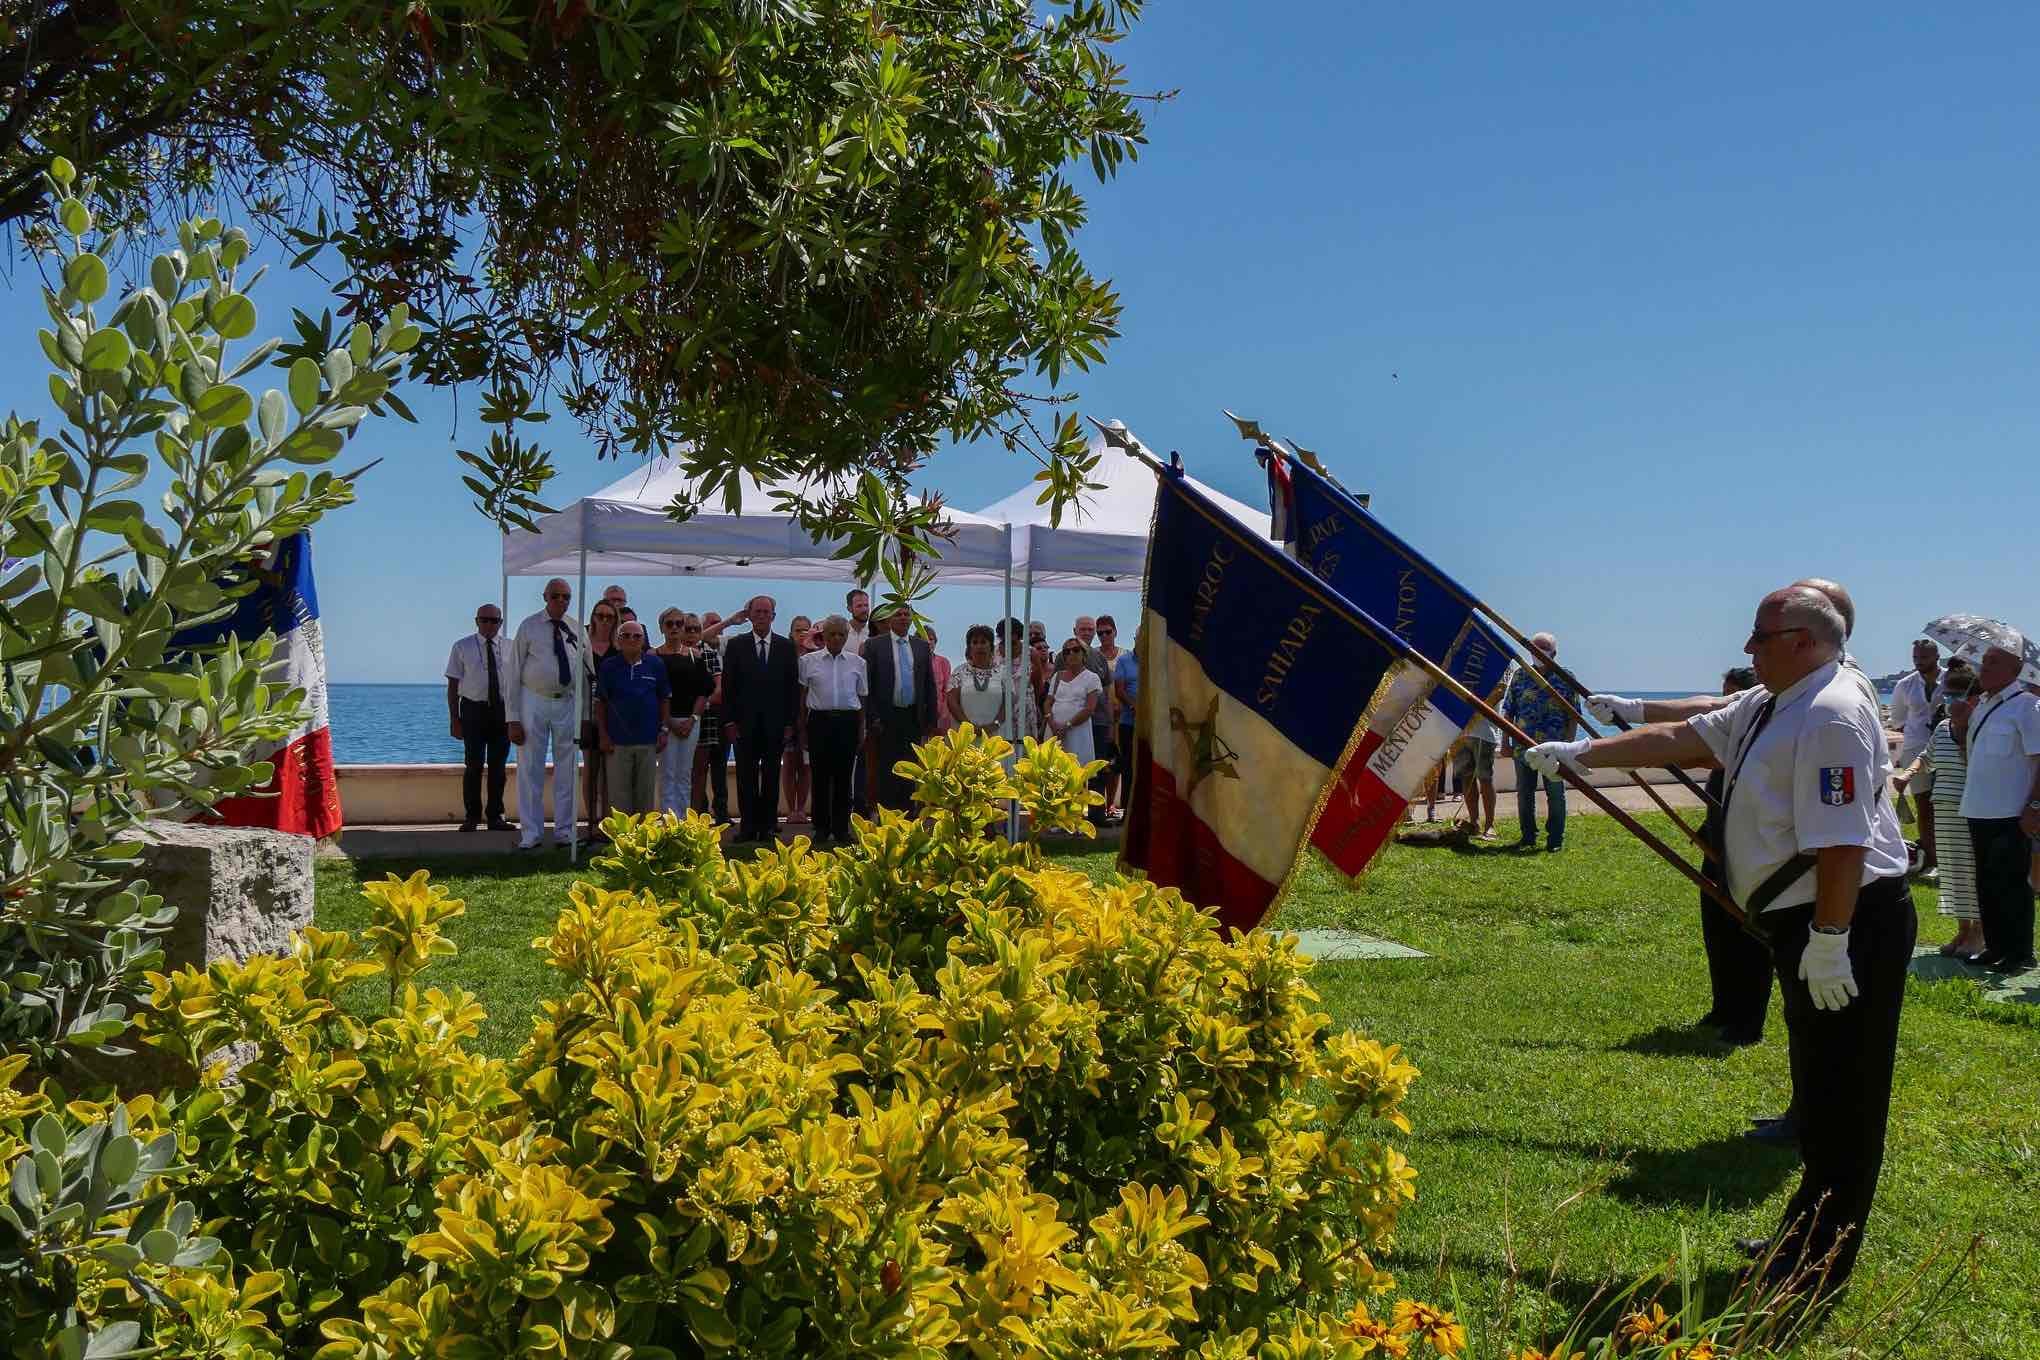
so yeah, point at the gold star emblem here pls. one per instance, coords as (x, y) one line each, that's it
(1209, 754)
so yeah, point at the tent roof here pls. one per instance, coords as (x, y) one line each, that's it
(1102, 542)
(626, 532)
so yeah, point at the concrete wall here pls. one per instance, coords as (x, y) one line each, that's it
(412, 795)
(424, 795)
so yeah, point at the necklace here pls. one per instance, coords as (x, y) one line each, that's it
(979, 680)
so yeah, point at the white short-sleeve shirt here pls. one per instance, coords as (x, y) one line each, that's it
(1912, 711)
(1067, 696)
(1814, 777)
(834, 684)
(2004, 743)
(467, 665)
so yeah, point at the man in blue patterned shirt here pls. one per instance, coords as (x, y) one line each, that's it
(1533, 707)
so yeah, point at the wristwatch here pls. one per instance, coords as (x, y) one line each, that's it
(1830, 930)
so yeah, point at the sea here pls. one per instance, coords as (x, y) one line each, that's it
(406, 724)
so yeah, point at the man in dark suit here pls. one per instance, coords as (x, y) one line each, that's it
(761, 694)
(901, 674)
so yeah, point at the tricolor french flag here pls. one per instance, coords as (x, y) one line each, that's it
(1256, 683)
(1413, 722)
(304, 795)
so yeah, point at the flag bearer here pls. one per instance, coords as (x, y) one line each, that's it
(1813, 852)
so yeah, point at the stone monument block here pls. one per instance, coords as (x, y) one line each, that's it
(239, 891)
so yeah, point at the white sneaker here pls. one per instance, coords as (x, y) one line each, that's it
(1930, 876)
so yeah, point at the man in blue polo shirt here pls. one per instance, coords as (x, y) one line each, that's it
(633, 700)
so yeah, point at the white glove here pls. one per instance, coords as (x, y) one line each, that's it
(1606, 709)
(1546, 756)
(1824, 968)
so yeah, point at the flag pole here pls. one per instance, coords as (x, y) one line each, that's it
(1251, 430)
(1122, 438)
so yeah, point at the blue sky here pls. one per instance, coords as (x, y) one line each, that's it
(1624, 318)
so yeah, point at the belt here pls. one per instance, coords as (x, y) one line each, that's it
(550, 694)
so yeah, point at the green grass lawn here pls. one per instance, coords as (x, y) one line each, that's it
(1570, 1126)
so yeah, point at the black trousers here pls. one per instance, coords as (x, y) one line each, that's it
(759, 747)
(1841, 1077)
(485, 735)
(832, 751)
(899, 729)
(718, 800)
(1102, 749)
(1738, 969)
(2004, 892)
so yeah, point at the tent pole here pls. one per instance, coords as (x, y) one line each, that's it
(580, 700)
(1012, 709)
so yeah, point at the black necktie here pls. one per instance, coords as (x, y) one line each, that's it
(560, 653)
(761, 649)
(495, 684)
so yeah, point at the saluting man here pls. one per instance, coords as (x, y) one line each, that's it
(1813, 852)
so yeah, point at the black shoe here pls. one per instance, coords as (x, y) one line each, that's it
(1741, 1036)
(1758, 1119)
(1708, 1021)
(2010, 965)
(498, 824)
(1983, 959)
(1554, 848)
(1782, 1133)
(1527, 843)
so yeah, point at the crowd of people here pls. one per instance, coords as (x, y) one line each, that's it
(816, 717)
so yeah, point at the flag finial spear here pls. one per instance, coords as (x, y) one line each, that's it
(1126, 441)
(1249, 429)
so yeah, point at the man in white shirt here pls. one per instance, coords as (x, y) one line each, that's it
(1913, 700)
(1811, 849)
(833, 691)
(544, 655)
(2001, 802)
(481, 693)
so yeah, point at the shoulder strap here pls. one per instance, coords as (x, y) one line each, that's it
(1781, 878)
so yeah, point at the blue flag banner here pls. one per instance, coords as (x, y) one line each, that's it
(1325, 528)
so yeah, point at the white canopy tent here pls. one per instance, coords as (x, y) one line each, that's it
(623, 530)
(1102, 542)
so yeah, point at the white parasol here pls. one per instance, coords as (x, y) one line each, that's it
(1971, 635)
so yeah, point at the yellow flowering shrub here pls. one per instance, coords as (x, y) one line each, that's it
(929, 1095)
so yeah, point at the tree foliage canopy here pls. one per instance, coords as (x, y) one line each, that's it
(789, 236)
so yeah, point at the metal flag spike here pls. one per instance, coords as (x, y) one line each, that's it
(1115, 432)
(1126, 441)
(1249, 429)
